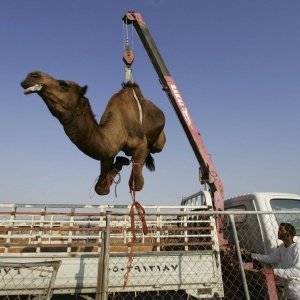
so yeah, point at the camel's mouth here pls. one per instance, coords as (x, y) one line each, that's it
(33, 89)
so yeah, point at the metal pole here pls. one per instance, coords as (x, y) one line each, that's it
(56, 266)
(238, 250)
(104, 292)
(99, 287)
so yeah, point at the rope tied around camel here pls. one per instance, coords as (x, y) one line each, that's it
(141, 213)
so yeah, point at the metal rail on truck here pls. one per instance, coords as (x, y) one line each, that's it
(77, 228)
(208, 173)
(180, 251)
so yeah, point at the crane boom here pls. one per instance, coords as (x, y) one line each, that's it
(208, 173)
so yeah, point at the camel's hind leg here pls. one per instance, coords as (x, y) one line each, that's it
(159, 144)
(108, 173)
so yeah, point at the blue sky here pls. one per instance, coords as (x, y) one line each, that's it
(236, 64)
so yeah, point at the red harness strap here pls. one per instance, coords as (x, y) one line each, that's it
(141, 214)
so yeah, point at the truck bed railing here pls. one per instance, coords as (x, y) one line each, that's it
(76, 228)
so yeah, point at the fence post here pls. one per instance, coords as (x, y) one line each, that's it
(56, 265)
(99, 286)
(106, 257)
(238, 250)
(102, 278)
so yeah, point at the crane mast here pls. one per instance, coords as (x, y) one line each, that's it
(208, 173)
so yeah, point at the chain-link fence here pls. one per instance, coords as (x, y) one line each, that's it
(258, 233)
(169, 253)
(178, 256)
(189, 264)
(20, 281)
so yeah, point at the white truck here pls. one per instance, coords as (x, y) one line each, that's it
(261, 229)
(172, 256)
(254, 223)
(179, 255)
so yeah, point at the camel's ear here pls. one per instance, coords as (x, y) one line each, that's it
(83, 90)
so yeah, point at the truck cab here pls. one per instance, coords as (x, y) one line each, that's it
(257, 232)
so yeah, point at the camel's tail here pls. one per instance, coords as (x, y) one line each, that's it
(150, 163)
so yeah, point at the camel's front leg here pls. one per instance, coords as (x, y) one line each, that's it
(108, 173)
(136, 181)
(104, 182)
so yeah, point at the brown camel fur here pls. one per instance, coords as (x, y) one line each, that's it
(119, 129)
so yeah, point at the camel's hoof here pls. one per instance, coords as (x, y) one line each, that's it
(101, 191)
(136, 182)
(138, 185)
(102, 186)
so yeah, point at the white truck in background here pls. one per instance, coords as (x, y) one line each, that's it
(252, 224)
(258, 232)
(257, 227)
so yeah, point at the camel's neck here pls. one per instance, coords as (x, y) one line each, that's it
(83, 130)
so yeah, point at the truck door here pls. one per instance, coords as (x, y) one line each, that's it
(247, 225)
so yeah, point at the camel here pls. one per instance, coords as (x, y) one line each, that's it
(133, 125)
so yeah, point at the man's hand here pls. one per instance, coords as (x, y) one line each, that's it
(266, 271)
(245, 252)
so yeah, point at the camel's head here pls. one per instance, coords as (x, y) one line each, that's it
(62, 97)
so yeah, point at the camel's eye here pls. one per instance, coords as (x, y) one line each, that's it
(64, 86)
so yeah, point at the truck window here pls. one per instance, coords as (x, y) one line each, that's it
(287, 205)
(238, 218)
(247, 227)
